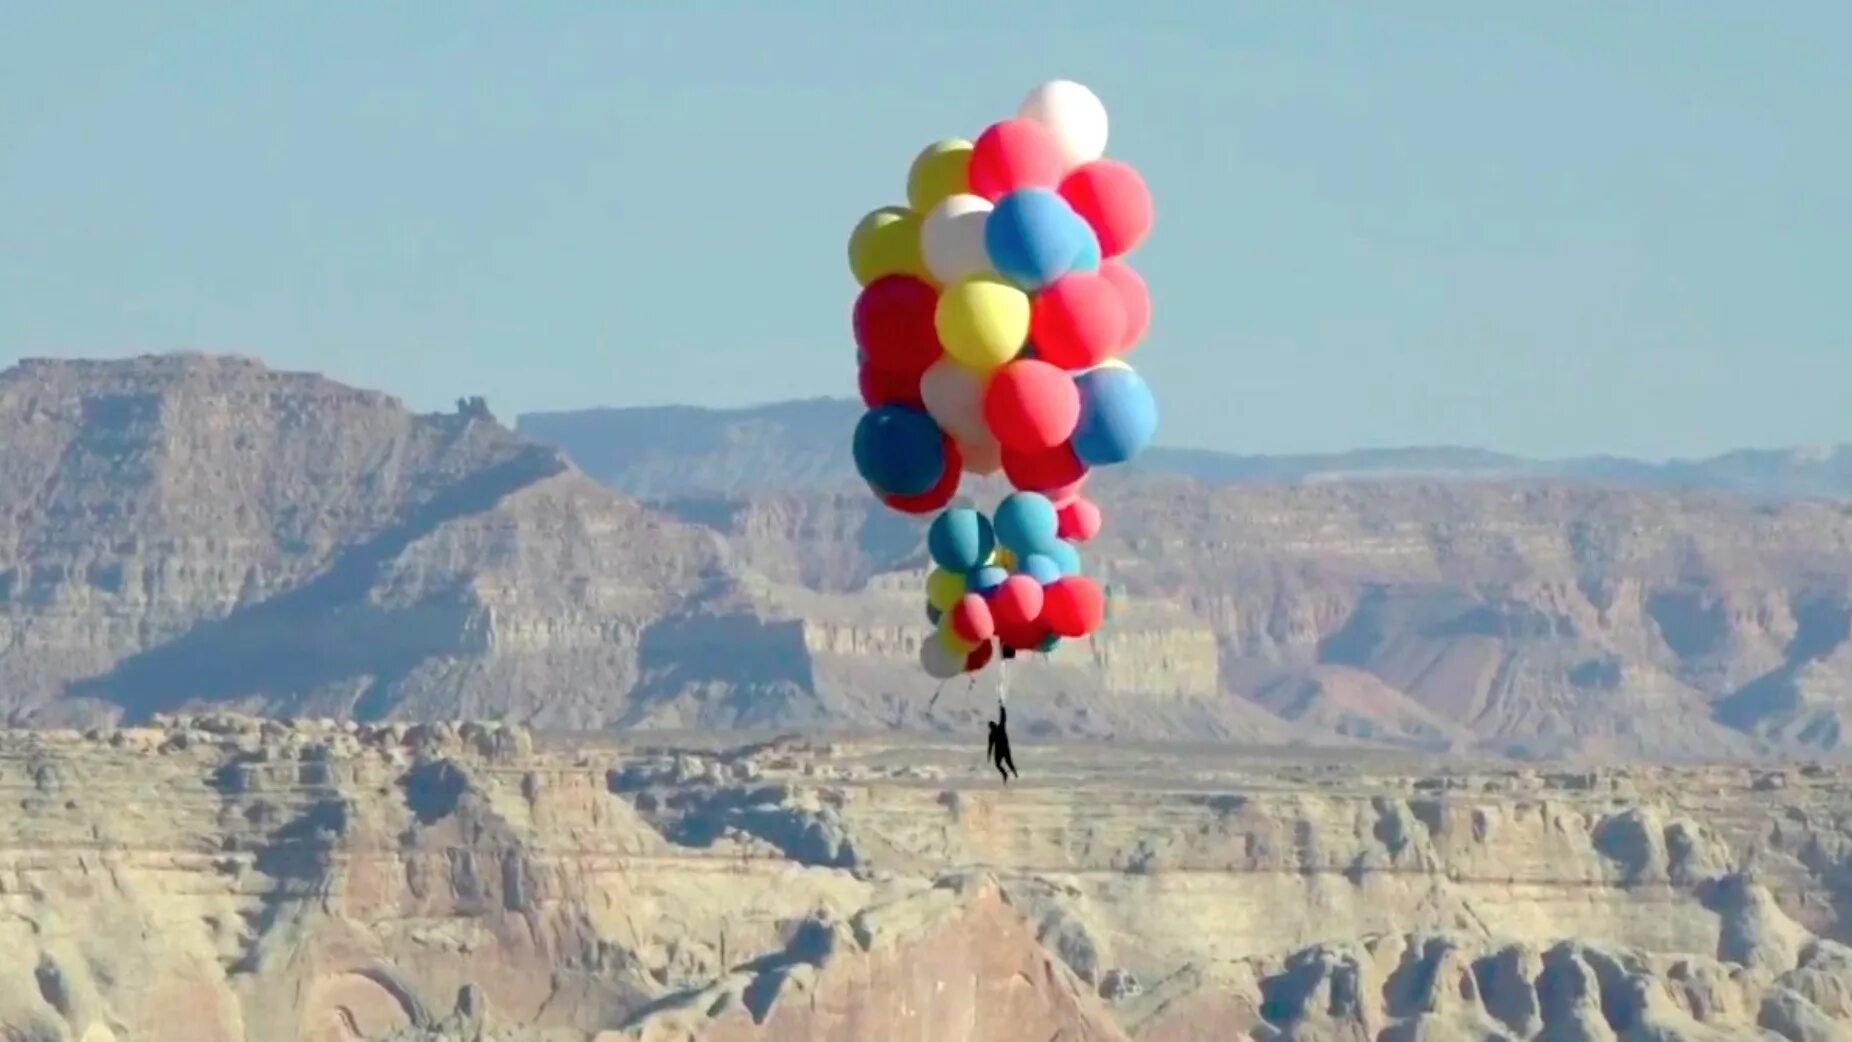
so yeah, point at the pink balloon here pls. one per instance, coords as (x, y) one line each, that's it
(1031, 406)
(1079, 520)
(1013, 155)
(1134, 298)
(1111, 197)
(1078, 321)
(1017, 603)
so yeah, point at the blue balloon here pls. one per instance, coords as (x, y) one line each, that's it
(1041, 567)
(985, 579)
(1033, 237)
(1049, 643)
(1088, 257)
(1118, 416)
(933, 615)
(960, 539)
(1066, 556)
(899, 450)
(1026, 523)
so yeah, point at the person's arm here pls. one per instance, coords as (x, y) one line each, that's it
(1003, 714)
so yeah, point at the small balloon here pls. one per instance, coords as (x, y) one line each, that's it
(939, 661)
(1112, 198)
(1013, 155)
(940, 170)
(1026, 523)
(1042, 568)
(1079, 321)
(982, 322)
(986, 579)
(1031, 406)
(952, 239)
(1075, 118)
(899, 450)
(1134, 297)
(1025, 637)
(943, 589)
(895, 324)
(1048, 644)
(1043, 472)
(1033, 237)
(951, 638)
(886, 242)
(933, 615)
(980, 657)
(1118, 416)
(1016, 603)
(971, 619)
(1079, 520)
(982, 458)
(1074, 607)
(960, 540)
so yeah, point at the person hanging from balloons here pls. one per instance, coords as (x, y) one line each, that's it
(996, 307)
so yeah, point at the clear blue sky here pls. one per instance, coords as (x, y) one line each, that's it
(1550, 227)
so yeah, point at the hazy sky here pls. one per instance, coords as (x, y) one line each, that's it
(1554, 227)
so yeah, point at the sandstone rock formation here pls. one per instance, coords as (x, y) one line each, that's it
(229, 879)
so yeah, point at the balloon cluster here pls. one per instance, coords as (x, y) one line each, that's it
(1015, 584)
(994, 312)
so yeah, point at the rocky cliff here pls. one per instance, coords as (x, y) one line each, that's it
(187, 532)
(228, 879)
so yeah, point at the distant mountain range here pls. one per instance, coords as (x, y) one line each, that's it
(683, 450)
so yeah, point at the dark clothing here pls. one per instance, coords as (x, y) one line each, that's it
(997, 750)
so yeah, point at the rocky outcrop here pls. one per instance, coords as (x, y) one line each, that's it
(233, 879)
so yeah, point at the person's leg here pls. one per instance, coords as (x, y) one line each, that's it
(1012, 760)
(1000, 770)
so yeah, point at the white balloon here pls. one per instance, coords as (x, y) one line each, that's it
(1073, 114)
(952, 238)
(954, 396)
(982, 458)
(939, 661)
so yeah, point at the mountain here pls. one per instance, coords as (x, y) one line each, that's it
(662, 452)
(189, 533)
(226, 879)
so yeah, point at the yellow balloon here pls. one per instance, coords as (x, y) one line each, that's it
(940, 170)
(952, 640)
(887, 242)
(943, 588)
(983, 322)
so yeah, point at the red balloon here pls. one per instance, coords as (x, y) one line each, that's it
(1134, 298)
(1078, 321)
(1073, 606)
(1026, 637)
(1031, 406)
(1065, 494)
(1045, 472)
(1112, 197)
(972, 620)
(1013, 155)
(1078, 521)
(934, 499)
(883, 387)
(894, 324)
(1017, 603)
(979, 657)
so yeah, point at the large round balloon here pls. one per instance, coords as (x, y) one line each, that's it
(940, 170)
(952, 238)
(1134, 297)
(943, 589)
(884, 387)
(972, 619)
(1080, 520)
(1074, 116)
(1113, 200)
(1118, 415)
(899, 450)
(1074, 606)
(982, 322)
(886, 242)
(935, 498)
(954, 396)
(1033, 237)
(1016, 603)
(1013, 155)
(1031, 406)
(1078, 321)
(938, 659)
(960, 540)
(1043, 472)
(895, 324)
(1026, 523)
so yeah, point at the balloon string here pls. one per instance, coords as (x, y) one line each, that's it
(1003, 682)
